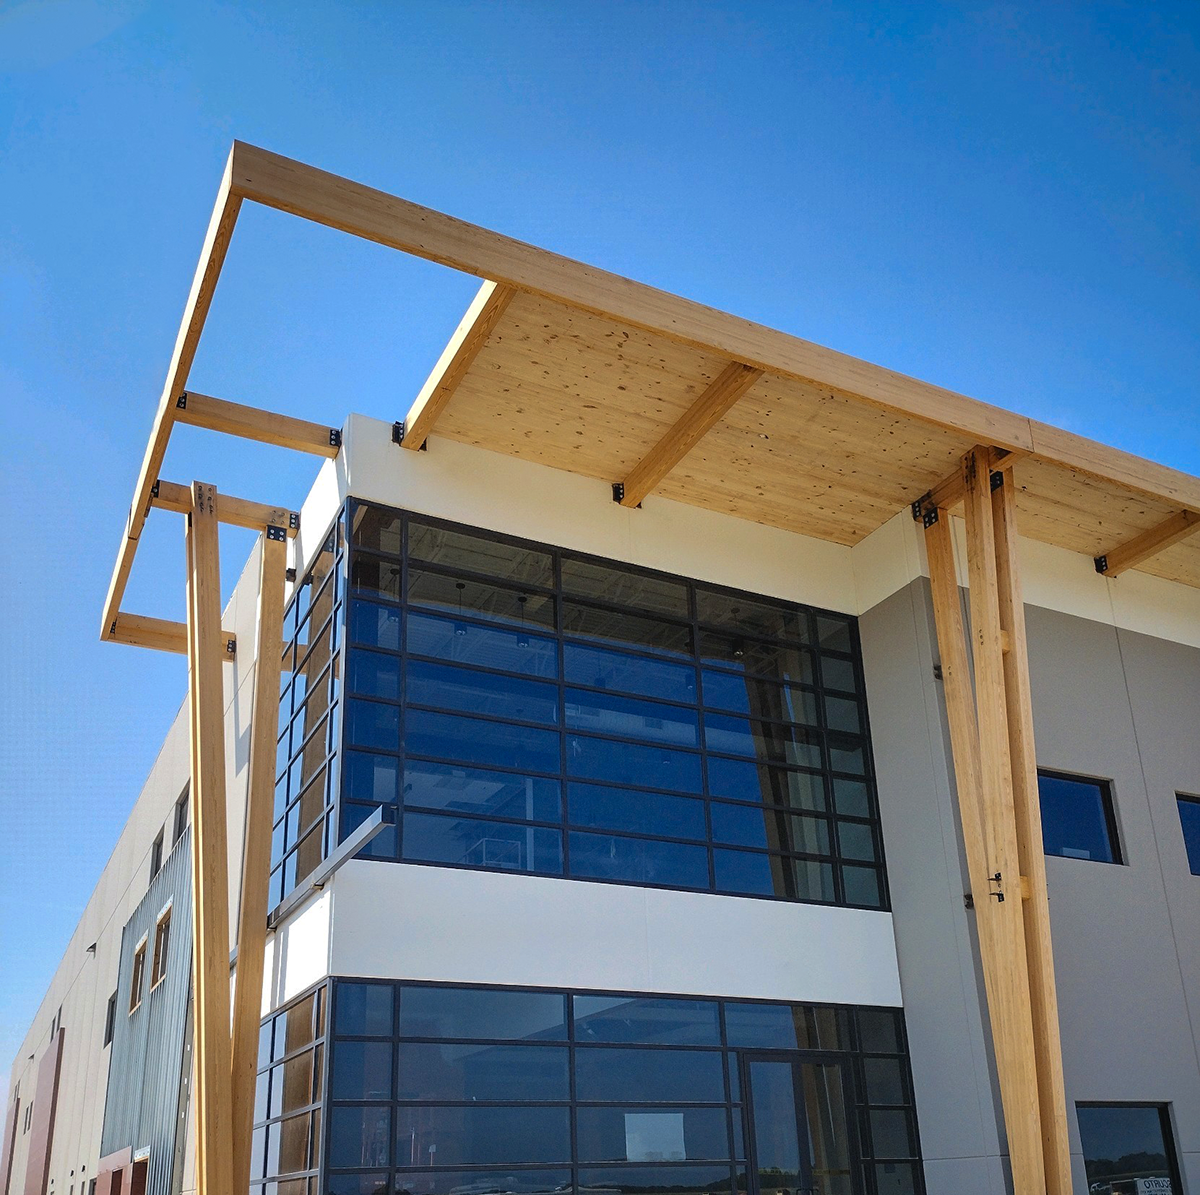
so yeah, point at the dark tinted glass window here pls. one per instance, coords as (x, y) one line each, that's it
(1128, 1144)
(1189, 819)
(470, 1071)
(1077, 818)
(648, 1134)
(610, 1074)
(465, 1136)
(539, 711)
(646, 1021)
(487, 1014)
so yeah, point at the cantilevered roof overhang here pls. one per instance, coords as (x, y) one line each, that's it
(576, 368)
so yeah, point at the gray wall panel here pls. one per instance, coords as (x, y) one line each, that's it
(1127, 938)
(145, 1068)
(926, 875)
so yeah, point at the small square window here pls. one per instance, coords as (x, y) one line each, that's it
(1078, 821)
(1128, 1147)
(139, 974)
(1189, 819)
(162, 939)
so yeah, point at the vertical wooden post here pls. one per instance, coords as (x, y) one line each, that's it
(210, 869)
(999, 977)
(256, 851)
(1015, 1061)
(1028, 815)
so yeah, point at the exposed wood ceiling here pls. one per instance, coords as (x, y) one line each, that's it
(572, 390)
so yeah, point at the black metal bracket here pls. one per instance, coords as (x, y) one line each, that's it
(294, 520)
(335, 437)
(997, 879)
(937, 672)
(1101, 563)
(276, 533)
(997, 479)
(968, 900)
(181, 401)
(231, 647)
(918, 507)
(154, 490)
(398, 433)
(618, 491)
(290, 574)
(930, 517)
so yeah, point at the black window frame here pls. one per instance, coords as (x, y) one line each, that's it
(853, 1047)
(792, 871)
(110, 1020)
(1193, 858)
(1108, 805)
(182, 813)
(156, 853)
(1165, 1122)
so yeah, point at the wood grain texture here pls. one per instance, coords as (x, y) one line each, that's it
(469, 337)
(716, 401)
(161, 634)
(1043, 991)
(195, 312)
(1142, 547)
(256, 851)
(253, 423)
(1009, 1002)
(210, 866)
(238, 512)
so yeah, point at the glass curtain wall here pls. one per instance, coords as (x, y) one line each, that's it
(440, 1090)
(310, 704)
(532, 709)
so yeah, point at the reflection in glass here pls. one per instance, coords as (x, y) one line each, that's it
(652, 1135)
(616, 1075)
(482, 1135)
(1128, 1142)
(476, 790)
(637, 860)
(472, 842)
(644, 1020)
(466, 1071)
(636, 811)
(478, 1013)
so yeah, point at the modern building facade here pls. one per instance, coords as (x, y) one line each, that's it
(621, 849)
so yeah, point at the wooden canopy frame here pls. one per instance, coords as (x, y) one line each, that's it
(736, 362)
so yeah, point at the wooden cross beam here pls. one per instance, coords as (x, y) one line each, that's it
(712, 406)
(470, 336)
(168, 495)
(161, 634)
(1133, 552)
(253, 423)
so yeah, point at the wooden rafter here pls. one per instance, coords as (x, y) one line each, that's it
(161, 634)
(210, 873)
(1131, 553)
(470, 336)
(729, 385)
(253, 423)
(256, 851)
(169, 495)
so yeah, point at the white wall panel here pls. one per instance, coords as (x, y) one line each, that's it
(396, 920)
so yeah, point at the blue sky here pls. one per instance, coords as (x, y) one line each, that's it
(1001, 199)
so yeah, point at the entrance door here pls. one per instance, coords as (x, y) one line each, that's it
(800, 1136)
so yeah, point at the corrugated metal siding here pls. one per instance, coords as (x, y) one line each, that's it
(145, 1069)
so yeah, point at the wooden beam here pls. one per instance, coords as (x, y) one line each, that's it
(361, 211)
(252, 423)
(168, 495)
(210, 872)
(1039, 953)
(373, 215)
(1133, 552)
(469, 337)
(140, 630)
(195, 312)
(951, 490)
(1003, 983)
(1009, 1003)
(725, 389)
(256, 851)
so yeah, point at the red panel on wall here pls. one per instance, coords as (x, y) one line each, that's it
(45, 1104)
(10, 1136)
